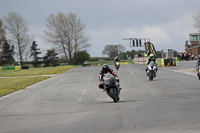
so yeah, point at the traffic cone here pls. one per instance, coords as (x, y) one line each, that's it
(173, 63)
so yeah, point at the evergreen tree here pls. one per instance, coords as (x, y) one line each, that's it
(80, 57)
(34, 53)
(50, 59)
(7, 53)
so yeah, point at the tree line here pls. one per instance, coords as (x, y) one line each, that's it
(113, 50)
(64, 31)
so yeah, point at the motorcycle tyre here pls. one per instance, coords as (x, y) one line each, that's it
(117, 67)
(112, 93)
(151, 75)
(199, 75)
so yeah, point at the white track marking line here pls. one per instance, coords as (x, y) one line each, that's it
(84, 92)
(179, 72)
(131, 72)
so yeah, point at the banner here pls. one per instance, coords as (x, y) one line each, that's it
(152, 48)
(147, 47)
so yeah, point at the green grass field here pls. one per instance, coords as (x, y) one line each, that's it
(34, 71)
(15, 82)
(9, 85)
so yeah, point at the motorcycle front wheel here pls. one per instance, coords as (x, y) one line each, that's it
(151, 75)
(199, 75)
(113, 94)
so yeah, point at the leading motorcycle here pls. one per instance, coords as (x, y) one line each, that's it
(111, 86)
(151, 70)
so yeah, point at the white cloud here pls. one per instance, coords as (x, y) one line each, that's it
(152, 32)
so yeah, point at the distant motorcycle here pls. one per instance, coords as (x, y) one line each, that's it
(117, 65)
(151, 70)
(198, 74)
(111, 86)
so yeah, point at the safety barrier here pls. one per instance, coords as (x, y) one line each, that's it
(8, 68)
(169, 62)
(161, 62)
(140, 60)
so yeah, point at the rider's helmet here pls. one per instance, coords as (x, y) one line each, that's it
(105, 68)
(199, 56)
(151, 56)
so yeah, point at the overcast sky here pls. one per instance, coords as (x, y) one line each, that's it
(166, 22)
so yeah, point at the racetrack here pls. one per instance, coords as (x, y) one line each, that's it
(72, 103)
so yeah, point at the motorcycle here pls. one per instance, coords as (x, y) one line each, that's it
(111, 86)
(151, 70)
(117, 65)
(198, 74)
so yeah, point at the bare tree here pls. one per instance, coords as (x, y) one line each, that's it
(17, 27)
(77, 27)
(2, 31)
(66, 31)
(113, 50)
(2, 38)
(2, 34)
(196, 20)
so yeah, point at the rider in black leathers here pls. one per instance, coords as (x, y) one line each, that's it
(105, 69)
(117, 59)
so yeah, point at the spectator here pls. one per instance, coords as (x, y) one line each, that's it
(192, 57)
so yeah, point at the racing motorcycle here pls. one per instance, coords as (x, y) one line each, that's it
(111, 86)
(198, 74)
(117, 65)
(151, 70)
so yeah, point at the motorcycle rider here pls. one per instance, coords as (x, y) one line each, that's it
(116, 59)
(197, 64)
(105, 69)
(151, 58)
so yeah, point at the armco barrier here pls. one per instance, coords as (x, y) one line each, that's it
(143, 60)
(8, 68)
(122, 63)
(140, 60)
(17, 67)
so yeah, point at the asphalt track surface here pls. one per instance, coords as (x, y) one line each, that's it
(72, 103)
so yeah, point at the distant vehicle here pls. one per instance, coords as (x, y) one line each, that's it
(85, 63)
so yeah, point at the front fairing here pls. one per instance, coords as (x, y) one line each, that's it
(109, 80)
(151, 66)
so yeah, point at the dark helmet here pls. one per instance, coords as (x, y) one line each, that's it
(105, 68)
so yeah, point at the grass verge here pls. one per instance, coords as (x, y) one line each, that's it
(9, 85)
(34, 71)
(14, 83)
